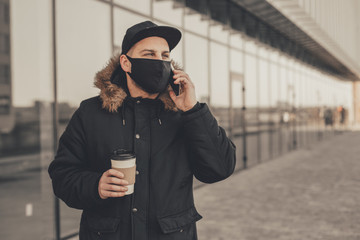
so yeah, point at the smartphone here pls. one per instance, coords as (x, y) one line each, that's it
(175, 87)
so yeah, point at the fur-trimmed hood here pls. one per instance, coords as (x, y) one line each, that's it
(113, 96)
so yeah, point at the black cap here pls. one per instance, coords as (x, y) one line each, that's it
(149, 29)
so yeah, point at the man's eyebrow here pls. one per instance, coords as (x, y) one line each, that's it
(152, 50)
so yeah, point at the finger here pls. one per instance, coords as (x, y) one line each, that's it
(117, 181)
(113, 194)
(183, 81)
(114, 188)
(180, 80)
(172, 95)
(177, 75)
(116, 173)
(116, 194)
(107, 173)
(187, 77)
(181, 74)
(187, 83)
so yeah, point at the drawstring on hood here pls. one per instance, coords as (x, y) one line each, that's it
(123, 113)
(157, 112)
(158, 109)
(113, 89)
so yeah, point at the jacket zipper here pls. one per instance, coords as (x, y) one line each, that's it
(148, 202)
(132, 195)
(132, 217)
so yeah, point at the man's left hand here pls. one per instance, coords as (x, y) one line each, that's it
(186, 99)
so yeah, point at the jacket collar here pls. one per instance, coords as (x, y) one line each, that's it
(113, 96)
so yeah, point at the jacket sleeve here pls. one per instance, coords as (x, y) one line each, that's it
(72, 182)
(212, 153)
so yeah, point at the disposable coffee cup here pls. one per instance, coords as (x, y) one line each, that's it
(125, 162)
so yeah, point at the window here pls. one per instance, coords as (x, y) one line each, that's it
(264, 84)
(4, 10)
(136, 5)
(218, 33)
(236, 61)
(4, 44)
(251, 81)
(195, 23)
(167, 11)
(4, 74)
(219, 76)
(122, 21)
(196, 64)
(84, 46)
(6, 14)
(219, 89)
(273, 87)
(4, 105)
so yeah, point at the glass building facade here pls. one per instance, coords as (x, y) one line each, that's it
(268, 102)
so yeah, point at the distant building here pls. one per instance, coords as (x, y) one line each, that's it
(7, 119)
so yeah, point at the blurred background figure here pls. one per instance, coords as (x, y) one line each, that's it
(328, 117)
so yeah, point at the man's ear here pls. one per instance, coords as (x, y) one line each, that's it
(125, 63)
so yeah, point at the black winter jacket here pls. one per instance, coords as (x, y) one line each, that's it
(171, 147)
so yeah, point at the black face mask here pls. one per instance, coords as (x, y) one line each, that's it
(150, 74)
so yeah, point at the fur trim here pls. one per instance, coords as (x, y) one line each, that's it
(112, 95)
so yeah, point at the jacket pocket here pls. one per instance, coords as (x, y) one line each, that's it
(100, 225)
(178, 221)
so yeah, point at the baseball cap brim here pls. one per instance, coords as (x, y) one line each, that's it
(170, 34)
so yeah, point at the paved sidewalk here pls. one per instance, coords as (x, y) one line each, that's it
(304, 195)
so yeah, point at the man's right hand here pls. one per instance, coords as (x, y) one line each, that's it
(111, 184)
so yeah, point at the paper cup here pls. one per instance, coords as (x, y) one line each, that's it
(125, 162)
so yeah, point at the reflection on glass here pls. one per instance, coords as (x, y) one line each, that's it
(84, 46)
(218, 33)
(220, 84)
(122, 21)
(250, 80)
(136, 5)
(196, 23)
(219, 75)
(264, 83)
(273, 83)
(236, 61)
(236, 88)
(26, 123)
(196, 64)
(236, 40)
(168, 11)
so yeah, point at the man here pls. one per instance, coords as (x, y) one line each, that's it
(174, 138)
